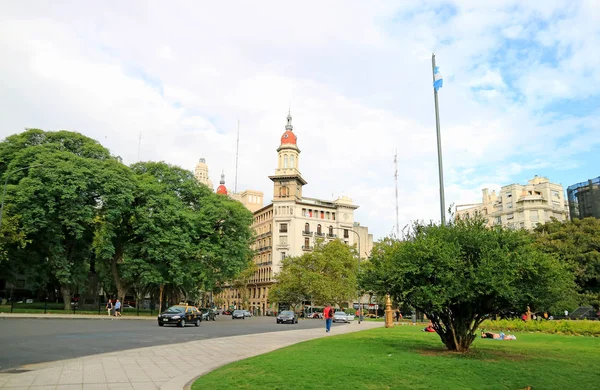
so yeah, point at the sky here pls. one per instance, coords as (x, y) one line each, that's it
(169, 82)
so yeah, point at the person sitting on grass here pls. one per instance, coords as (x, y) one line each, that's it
(429, 328)
(497, 336)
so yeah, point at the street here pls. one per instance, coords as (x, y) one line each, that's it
(28, 341)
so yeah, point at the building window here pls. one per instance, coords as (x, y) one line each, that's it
(306, 228)
(327, 215)
(322, 215)
(346, 234)
(304, 212)
(292, 161)
(285, 161)
(533, 216)
(283, 191)
(282, 255)
(555, 194)
(306, 242)
(509, 216)
(282, 240)
(310, 213)
(331, 230)
(333, 216)
(498, 220)
(319, 229)
(283, 228)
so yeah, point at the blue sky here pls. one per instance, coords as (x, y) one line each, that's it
(519, 98)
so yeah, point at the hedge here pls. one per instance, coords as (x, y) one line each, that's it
(576, 327)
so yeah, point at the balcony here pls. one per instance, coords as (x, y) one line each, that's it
(283, 246)
(307, 233)
(265, 248)
(331, 235)
(307, 248)
(320, 234)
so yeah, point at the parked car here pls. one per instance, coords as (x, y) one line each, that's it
(208, 314)
(247, 313)
(287, 316)
(316, 315)
(340, 316)
(238, 314)
(180, 315)
(227, 312)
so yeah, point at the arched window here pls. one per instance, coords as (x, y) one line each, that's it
(319, 229)
(306, 228)
(283, 191)
(292, 161)
(331, 231)
(285, 161)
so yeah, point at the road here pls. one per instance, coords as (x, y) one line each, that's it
(27, 341)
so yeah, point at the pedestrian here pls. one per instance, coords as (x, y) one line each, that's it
(397, 315)
(328, 313)
(109, 307)
(118, 309)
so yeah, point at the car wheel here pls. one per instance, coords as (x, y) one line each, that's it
(161, 324)
(296, 320)
(197, 322)
(277, 321)
(182, 323)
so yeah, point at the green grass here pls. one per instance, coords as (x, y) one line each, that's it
(406, 358)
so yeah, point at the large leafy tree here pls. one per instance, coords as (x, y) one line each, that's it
(577, 244)
(325, 276)
(462, 273)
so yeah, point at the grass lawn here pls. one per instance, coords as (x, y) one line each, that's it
(406, 358)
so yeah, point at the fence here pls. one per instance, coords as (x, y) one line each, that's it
(584, 199)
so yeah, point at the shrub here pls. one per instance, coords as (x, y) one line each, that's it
(579, 327)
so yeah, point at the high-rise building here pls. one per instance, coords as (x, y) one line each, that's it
(292, 224)
(520, 206)
(201, 173)
(584, 199)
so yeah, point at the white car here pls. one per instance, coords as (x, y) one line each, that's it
(340, 316)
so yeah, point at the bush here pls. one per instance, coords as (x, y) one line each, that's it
(578, 327)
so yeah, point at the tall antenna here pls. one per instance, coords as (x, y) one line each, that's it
(139, 145)
(237, 153)
(396, 178)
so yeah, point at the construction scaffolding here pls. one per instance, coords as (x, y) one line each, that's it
(584, 199)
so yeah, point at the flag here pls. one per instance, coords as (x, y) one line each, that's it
(437, 78)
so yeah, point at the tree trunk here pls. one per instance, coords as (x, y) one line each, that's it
(65, 291)
(160, 296)
(121, 290)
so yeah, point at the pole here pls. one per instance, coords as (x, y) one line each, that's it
(237, 153)
(396, 178)
(439, 146)
(6, 183)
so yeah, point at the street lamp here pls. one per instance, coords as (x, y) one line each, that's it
(6, 183)
(360, 317)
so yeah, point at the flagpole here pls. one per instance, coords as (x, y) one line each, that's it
(439, 145)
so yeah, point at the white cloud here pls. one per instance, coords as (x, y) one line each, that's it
(357, 77)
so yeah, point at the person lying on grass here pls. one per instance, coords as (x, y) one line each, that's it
(497, 336)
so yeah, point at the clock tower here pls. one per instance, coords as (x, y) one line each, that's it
(287, 180)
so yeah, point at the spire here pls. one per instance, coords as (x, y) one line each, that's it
(289, 121)
(222, 178)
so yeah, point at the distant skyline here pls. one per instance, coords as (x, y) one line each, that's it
(520, 95)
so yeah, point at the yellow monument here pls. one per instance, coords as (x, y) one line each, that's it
(389, 313)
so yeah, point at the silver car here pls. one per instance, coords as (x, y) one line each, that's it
(340, 316)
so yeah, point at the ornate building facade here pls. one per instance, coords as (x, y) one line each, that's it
(520, 206)
(291, 225)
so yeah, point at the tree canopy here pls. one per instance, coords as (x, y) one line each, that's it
(462, 273)
(327, 275)
(577, 244)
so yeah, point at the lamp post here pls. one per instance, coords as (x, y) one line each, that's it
(6, 183)
(360, 317)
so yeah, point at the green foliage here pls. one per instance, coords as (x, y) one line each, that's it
(324, 276)
(577, 328)
(459, 274)
(576, 243)
(406, 358)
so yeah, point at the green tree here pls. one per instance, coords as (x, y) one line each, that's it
(462, 273)
(326, 275)
(576, 243)
(242, 282)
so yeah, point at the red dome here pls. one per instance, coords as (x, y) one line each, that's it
(288, 138)
(222, 190)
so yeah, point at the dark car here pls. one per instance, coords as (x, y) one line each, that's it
(287, 316)
(238, 314)
(180, 315)
(208, 314)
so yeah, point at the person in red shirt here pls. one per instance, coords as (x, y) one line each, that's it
(328, 314)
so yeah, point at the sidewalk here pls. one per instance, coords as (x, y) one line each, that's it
(76, 316)
(169, 367)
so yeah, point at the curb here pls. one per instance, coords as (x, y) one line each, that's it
(72, 316)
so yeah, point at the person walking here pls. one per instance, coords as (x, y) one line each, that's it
(109, 307)
(118, 309)
(328, 314)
